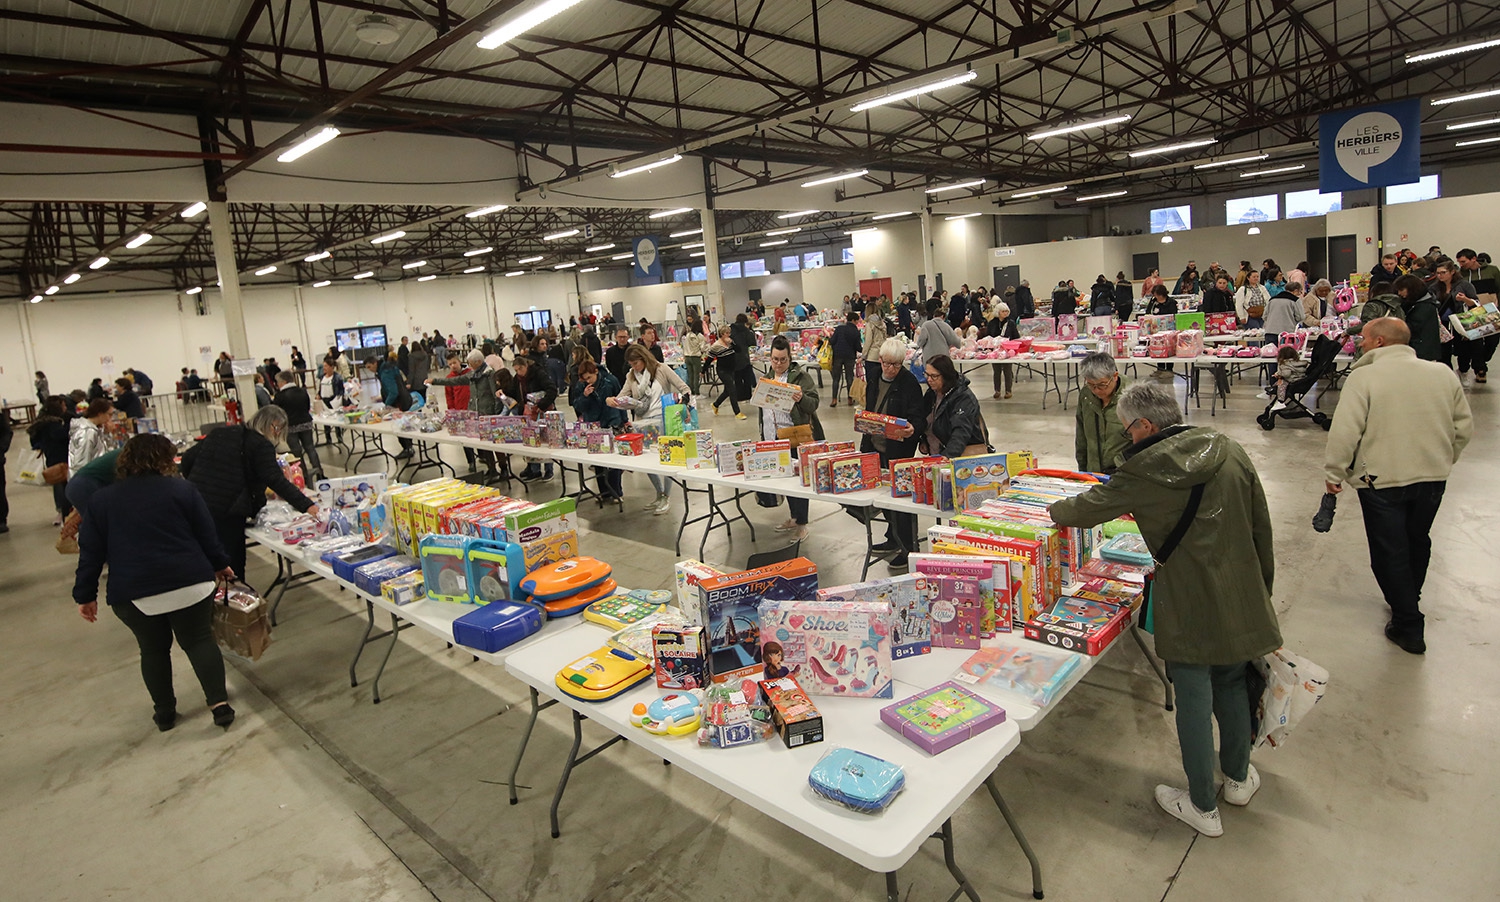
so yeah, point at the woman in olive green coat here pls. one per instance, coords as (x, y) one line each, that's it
(1098, 441)
(1211, 600)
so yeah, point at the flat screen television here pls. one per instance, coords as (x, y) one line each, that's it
(372, 338)
(347, 339)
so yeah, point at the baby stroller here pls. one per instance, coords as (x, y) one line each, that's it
(1320, 365)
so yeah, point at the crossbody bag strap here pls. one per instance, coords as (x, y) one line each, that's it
(1195, 498)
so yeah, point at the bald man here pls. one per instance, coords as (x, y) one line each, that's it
(1400, 426)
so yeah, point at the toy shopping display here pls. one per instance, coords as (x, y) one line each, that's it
(856, 780)
(493, 571)
(1077, 624)
(911, 628)
(942, 717)
(602, 674)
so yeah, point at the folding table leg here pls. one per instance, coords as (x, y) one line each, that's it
(515, 767)
(562, 781)
(363, 641)
(892, 890)
(1166, 684)
(1010, 821)
(948, 859)
(395, 637)
(869, 544)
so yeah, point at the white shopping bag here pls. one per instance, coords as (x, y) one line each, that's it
(1293, 685)
(30, 471)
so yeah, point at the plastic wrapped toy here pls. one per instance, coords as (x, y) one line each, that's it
(1190, 343)
(856, 780)
(1162, 345)
(674, 714)
(731, 717)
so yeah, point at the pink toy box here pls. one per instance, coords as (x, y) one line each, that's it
(1153, 324)
(1190, 343)
(1219, 323)
(1036, 327)
(841, 648)
(1162, 345)
(912, 630)
(1067, 326)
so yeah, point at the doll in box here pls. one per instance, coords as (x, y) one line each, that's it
(774, 657)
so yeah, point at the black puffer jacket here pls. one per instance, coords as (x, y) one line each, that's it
(298, 406)
(903, 399)
(957, 423)
(233, 466)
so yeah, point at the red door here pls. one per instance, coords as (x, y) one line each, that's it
(875, 287)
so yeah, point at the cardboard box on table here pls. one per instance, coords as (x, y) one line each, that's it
(839, 648)
(728, 606)
(1035, 593)
(1079, 625)
(911, 632)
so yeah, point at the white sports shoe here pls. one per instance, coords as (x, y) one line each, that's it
(1263, 396)
(1177, 803)
(1279, 405)
(1240, 793)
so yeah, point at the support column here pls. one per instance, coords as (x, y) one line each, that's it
(713, 298)
(928, 269)
(222, 232)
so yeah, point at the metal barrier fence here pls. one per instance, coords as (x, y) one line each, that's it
(183, 414)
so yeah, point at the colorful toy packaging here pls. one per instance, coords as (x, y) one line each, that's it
(879, 424)
(346, 562)
(1220, 323)
(1151, 324)
(404, 589)
(956, 607)
(370, 577)
(1162, 344)
(942, 717)
(493, 571)
(856, 780)
(700, 448)
(681, 656)
(687, 574)
(1075, 624)
(991, 572)
(1097, 327)
(630, 444)
(1038, 327)
(444, 571)
(1190, 343)
(854, 473)
(904, 474)
(672, 450)
(842, 648)
(775, 395)
(349, 491)
(542, 520)
(1035, 676)
(1067, 326)
(599, 441)
(1189, 321)
(794, 715)
(732, 718)
(978, 478)
(911, 628)
(727, 605)
(729, 457)
(769, 460)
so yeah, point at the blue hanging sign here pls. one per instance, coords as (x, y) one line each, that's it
(1370, 147)
(647, 260)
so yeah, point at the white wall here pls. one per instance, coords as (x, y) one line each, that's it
(827, 285)
(1284, 241)
(773, 288)
(1449, 222)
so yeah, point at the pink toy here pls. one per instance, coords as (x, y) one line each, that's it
(1162, 344)
(1248, 352)
(1225, 351)
(1297, 339)
(1219, 323)
(1189, 343)
(1067, 326)
(1268, 351)
(833, 647)
(1344, 300)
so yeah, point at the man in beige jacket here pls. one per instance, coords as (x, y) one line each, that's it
(1400, 426)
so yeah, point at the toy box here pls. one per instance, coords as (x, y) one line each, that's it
(599, 441)
(1096, 327)
(1128, 548)
(1067, 327)
(687, 574)
(942, 717)
(404, 589)
(373, 521)
(1185, 322)
(1037, 327)
(507, 429)
(904, 474)
(444, 571)
(804, 453)
(491, 627)
(793, 713)
(1034, 676)
(857, 780)
(1074, 624)
(879, 424)
(370, 577)
(1162, 345)
(344, 563)
(1219, 323)
(978, 478)
(681, 657)
(493, 571)
(349, 491)
(727, 605)
(841, 648)
(956, 607)
(533, 434)
(854, 473)
(775, 395)
(1190, 343)
(992, 572)
(700, 448)
(1152, 323)
(672, 450)
(543, 520)
(1049, 555)
(769, 460)
(729, 457)
(911, 630)
(630, 444)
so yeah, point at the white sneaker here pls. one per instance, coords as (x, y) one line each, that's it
(651, 507)
(1177, 803)
(661, 506)
(1263, 396)
(1240, 793)
(1279, 405)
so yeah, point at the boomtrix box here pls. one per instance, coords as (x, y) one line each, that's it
(729, 609)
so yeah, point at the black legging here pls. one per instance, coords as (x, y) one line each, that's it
(231, 530)
(843, 368)
(193, 626)
(731, 386)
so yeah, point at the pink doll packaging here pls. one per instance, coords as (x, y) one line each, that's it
(1097, 327)
(954, 606)
(1036, 327)
(1219, 323)
(841, 648)
(1162, 345)
(1067, 326)
(1189, 343)
(1155, 323)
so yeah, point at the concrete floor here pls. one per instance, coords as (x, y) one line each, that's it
(1387, 792)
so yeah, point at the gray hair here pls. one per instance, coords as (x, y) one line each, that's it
(1154, 403)
(1294, 287)
(270, 422)
(1097, 366)
(893, 350)
(1322, 283)
(475, 358)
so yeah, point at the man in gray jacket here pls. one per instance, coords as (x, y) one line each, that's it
(1400, 427)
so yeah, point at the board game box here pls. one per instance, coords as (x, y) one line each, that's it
(911, 630)
(841, 648)
(942, 717)
(728, 607)
(1075, 624)
(1034, 676)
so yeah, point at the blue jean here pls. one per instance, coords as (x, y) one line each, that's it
(662, 484)
(1398, 523)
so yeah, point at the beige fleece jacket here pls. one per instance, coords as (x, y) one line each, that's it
(1400, 421)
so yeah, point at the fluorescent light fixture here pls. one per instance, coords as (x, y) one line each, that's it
(1166, 239)
(36, 299)
(526, 21)
(700, 253)
(1474, 123)
(525, 260)
(485, 211)
(324, 283)
(684, 233)
(515, 272)
(558, 236)
(939, 189)
(645, 167)
(72, 277)
(1173, 148)
(475, 252)
(565, 266)
(1232, 161)
(99, 263)
(474, 269)
(1452, 51)
(415, 264)
(1037, 191)
(1276, 171)
(266, 270)
(139, 240)
(774, 232)
(830, 179)
(798, 213)
(388, 236)
(426, 278)
(1473, 141)
(865, 230)
(1472, 95)
(890, 215)
(320, 255)
(622, 256)
(1253, 230)
(364, 275)
(1070, 129)
(600, 247)
(1104, 196)
(693, 245)
(589, 269)
(777, 243)
(193, 210)
(951, 81)
(663, 214)
(308, 145)
(196, 289)
(51, 290)
(961, 216)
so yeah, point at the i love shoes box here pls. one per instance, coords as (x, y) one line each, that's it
(840, 648)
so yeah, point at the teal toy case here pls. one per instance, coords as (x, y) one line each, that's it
(494, 571)
(856, 780)
(444, 572)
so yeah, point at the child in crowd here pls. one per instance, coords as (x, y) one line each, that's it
(1289, 368)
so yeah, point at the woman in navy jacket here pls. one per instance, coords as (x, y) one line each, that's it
(164, 555)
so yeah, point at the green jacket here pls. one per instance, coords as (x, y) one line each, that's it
(1212, 598)
(1423, 318)
(1099, 439)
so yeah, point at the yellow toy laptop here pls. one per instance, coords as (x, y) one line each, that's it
(603, 674)
(620, 610)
